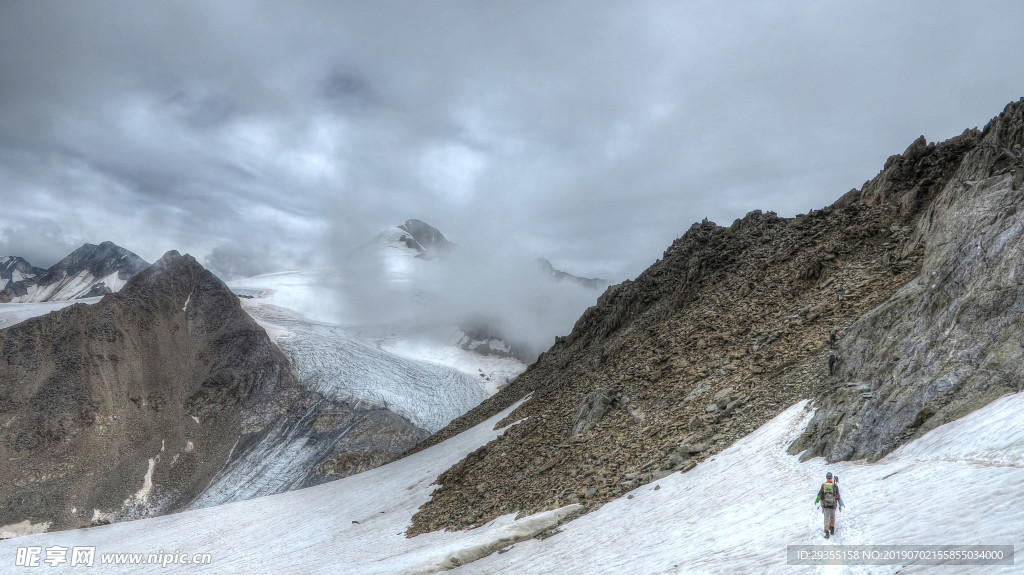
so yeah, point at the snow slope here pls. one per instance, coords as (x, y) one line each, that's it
(492, 371)
(353, 523)
(734, 513)
(306, 292)
(950, 487)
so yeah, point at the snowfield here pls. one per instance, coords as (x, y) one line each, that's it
(14, 313)
(734, 513)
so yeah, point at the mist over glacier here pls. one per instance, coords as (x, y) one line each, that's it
(500, 291)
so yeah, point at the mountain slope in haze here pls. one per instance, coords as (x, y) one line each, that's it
(392, 246)
(131, 406)
(560, 276)
(411, 278)
(919, 268)
(427, 240)
(89, 271)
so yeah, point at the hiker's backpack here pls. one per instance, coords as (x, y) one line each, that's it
(828, 498)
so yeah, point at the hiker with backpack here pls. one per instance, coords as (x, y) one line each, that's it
(834, 336)
(833, 359)
(830, 500)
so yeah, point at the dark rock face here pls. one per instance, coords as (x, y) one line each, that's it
(920, 269)
(323, 439)
(61, 281)
(949, 341)
(130, 406)
(424, 238)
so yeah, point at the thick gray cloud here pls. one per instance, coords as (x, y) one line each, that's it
(590, 133)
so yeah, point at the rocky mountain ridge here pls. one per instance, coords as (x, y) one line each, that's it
(919, 268)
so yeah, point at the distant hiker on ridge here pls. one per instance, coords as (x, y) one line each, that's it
(830, 500)
(833, 359)
(834, 336)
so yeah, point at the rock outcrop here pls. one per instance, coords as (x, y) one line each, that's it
(919, 269)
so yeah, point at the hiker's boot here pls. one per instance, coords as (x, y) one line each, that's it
(826, 534)
(832, 529)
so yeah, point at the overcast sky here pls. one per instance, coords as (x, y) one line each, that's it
(266, 135)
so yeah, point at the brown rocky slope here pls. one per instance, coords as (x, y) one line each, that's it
(131, 406)
(95, 396)
(730, 327)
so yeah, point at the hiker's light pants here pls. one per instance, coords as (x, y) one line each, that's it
(830, 516)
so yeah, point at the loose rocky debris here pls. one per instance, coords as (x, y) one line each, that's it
(671, 368)
(709, 343)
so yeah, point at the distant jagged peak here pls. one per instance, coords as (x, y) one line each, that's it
(413, 238)
(559, 276)
(11, 264)
(101, 260)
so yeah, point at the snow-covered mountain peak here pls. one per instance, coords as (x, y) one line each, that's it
(91, 270)
(414, 238)
(424, 238)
